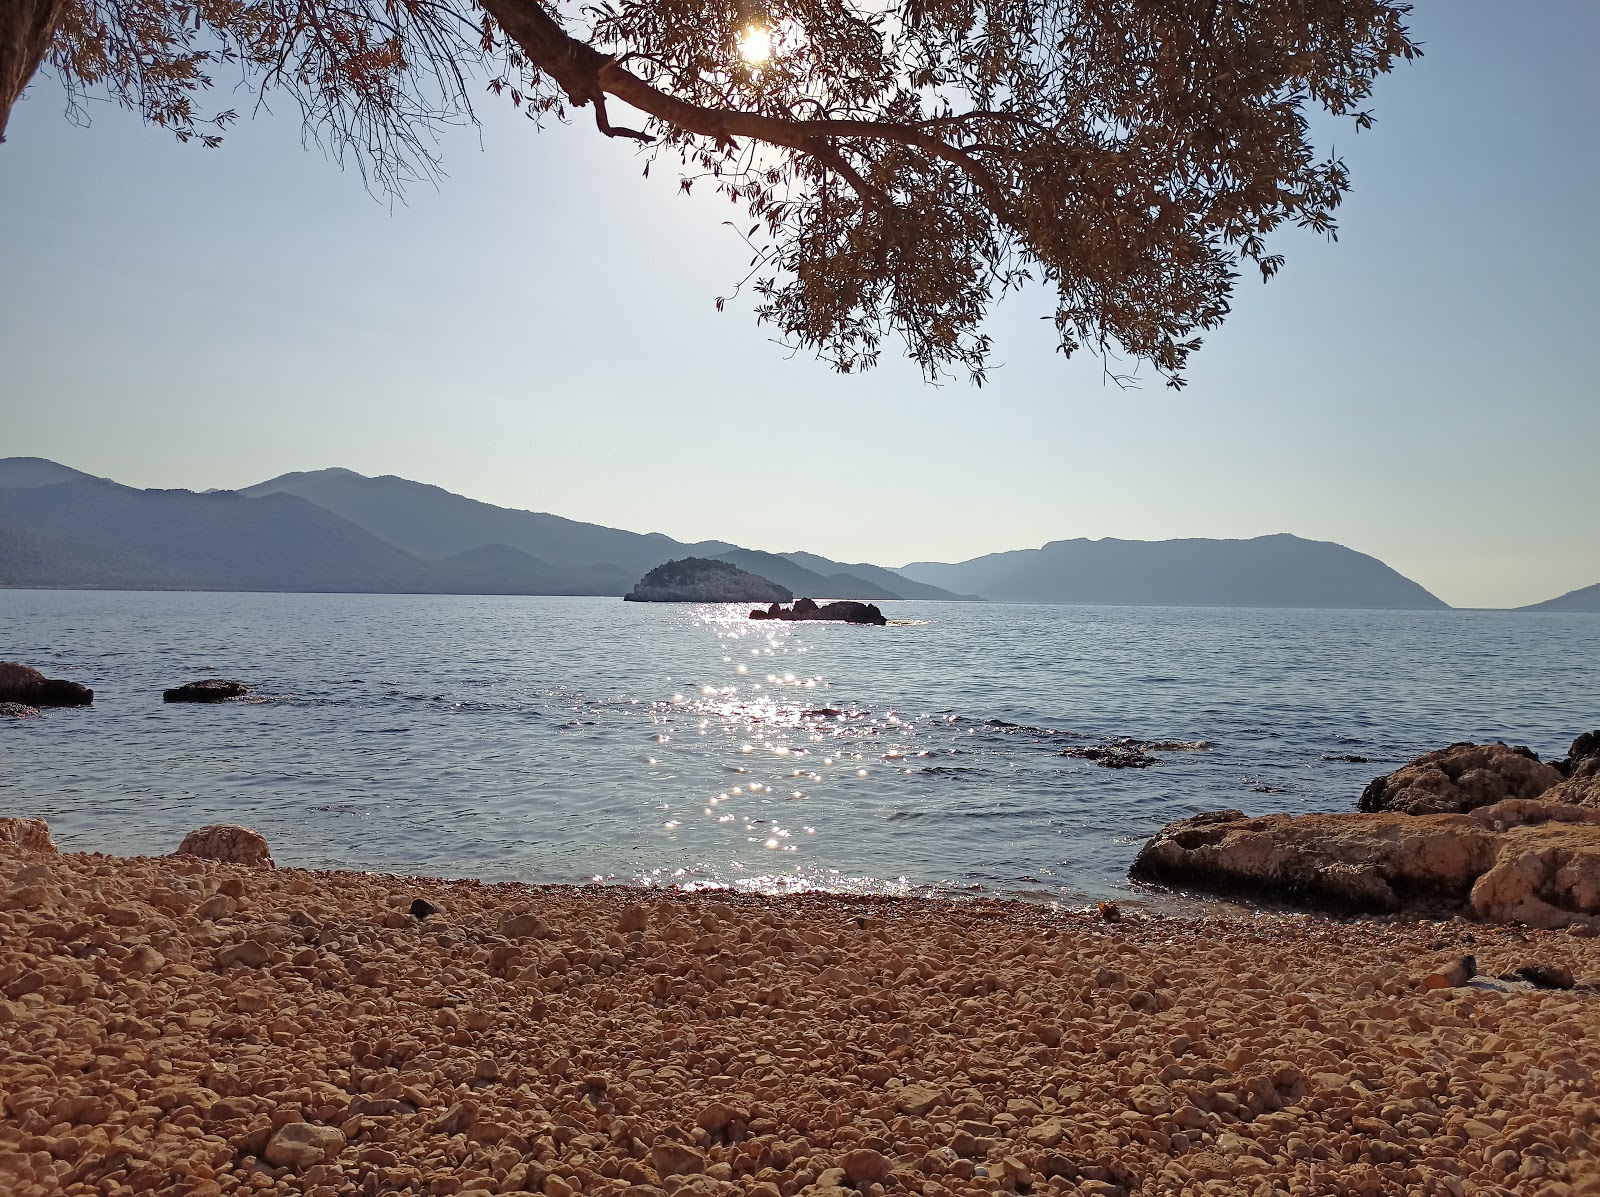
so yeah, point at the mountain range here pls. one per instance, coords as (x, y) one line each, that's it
(1586, 599)
(337, 530)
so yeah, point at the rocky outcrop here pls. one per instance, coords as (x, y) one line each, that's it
(27, 835)
(17, 710)
(844, 611)
(213, 689)
(1585, 748)
(228, 843)
(1517, 861)
(1581, 788)
(26, 685)
(1459, 779)
(701, 580)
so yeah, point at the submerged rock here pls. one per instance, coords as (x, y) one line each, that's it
(27, 835)
(24, 684)
(843, 611)
(228, 843)
(212, 689)
(702, 580)
(17, 710)
(1459, 779)
(1517, 861)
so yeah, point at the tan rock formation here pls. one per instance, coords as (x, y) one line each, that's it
(27, 835)
(1581, 788)
(228, 843)
(1519, 861)
(1459, 779)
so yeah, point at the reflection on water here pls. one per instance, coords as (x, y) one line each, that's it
(1007, 748)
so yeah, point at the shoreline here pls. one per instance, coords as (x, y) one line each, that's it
(174, 1025)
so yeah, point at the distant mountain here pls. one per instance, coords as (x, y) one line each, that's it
(96, 533)
(23, 472)
(1268, 571)
(783, 570)
(512, 570)
(902, 586)
(433, 522)
(1586, 599)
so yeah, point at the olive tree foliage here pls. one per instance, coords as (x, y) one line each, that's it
(903, 163)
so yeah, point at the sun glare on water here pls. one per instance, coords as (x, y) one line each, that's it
(755, 44)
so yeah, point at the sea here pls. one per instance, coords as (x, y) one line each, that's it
(579, 740)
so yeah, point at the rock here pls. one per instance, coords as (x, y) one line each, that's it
(26, 685)
(865, 1166)
(17, 710)
(1581, 787)
(228, 843)
(27, 835)
(1453, 975)
(633, 918)
(1530, 862)
(421, 909)
(523, 926)
(214, 689)
(1585, 747)
(1459, 779)
(917, 1100)
(457, 1120)
(303, 1145)
(1544, 976)
(250, 954)
(718, 1117)
(671, 1158)
(1112, 756)
(843, 611)
(1110, 912)
(703, 580)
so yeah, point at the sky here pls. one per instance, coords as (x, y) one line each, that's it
(539, 331)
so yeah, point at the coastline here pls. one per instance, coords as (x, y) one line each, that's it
(175, 1025)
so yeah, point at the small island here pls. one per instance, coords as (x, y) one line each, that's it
(845, 611)
(700, 580)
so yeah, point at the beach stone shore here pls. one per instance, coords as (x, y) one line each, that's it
(183, 1026)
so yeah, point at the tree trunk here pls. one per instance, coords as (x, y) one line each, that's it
(26, 27)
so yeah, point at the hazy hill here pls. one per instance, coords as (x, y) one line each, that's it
(1268, 571)
(1586, 599)
(179, 539)
(433, 522)
(36, 471)
(783, 570)
(505, 569)
(902, 586)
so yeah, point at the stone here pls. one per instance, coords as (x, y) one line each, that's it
(1581, 787)
(228, 843)
(1526, 862)
(865, 1166)
(27, 835)
(671, 1158)
(457, 1120)
(303, 1145)
(212, 689)
(1459, 779)
(421, 909)
(1453, 975)
(1546, 976)
(633, 918)
(24, 684)
(249, 954)
(917, 1100)
(524, 925)
(17, 710)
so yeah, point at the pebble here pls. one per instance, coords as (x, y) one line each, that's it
(203, 1029)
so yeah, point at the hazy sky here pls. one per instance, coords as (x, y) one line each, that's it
(539, 331)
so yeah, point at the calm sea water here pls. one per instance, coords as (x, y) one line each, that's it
(558, 739)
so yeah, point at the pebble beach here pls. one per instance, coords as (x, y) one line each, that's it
(180, 1026)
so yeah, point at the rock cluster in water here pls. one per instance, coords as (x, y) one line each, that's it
(702, 580)
(211, 689)
(178, 1026)
(25, 687)
(842, 611)
(1486, 830)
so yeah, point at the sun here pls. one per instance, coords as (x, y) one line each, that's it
(755, 44)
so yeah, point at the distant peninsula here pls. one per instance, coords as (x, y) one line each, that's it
(702, 580)
(1585, 599)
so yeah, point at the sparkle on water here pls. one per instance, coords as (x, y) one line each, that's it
(550, 739)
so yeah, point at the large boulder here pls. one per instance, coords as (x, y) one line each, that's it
(27, 835)
(1524, 861)
(228, 843)
(1459, 779)
(1585, 748)
(212, 689)
(24, 684)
